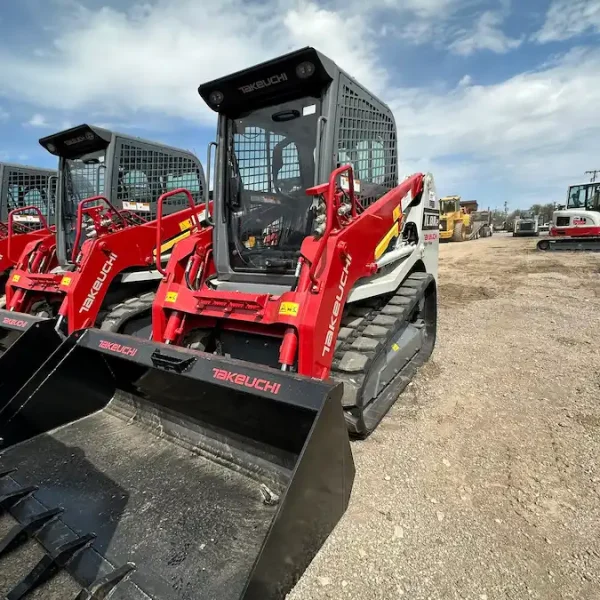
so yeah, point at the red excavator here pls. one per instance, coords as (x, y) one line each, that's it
(100, 266)
(30, 191)
(213, 460)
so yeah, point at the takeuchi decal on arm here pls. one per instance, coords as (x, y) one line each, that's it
(97, 285)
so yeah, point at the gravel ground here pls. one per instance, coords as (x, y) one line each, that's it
(483, 482)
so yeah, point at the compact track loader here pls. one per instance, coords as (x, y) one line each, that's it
(30, 191)
(213, 461)
(101, 263)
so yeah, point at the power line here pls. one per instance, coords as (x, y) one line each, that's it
(593, 174)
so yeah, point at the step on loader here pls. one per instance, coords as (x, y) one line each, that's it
(213, 461)
(29, 192)
(101, 266)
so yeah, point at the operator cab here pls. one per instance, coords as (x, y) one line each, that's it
(283, 127)
(449, 205)
(584, 196)
(271, 166)
(22, 186)
(130, 172)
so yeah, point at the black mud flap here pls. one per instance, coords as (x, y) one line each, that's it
(150, 471)
(26, 342)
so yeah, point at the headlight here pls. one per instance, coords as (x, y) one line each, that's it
(216, 98)
(305, 70)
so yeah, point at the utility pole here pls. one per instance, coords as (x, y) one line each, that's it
(593, 174)
(505, 207)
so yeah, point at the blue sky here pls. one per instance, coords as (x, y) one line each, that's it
(499, 99)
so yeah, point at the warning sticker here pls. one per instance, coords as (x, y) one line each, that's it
(345, 184)
(26, 219)
(185, 225)
(137, 206)
(289, 309)
(171, 297)
(66, 281)
(16, 277)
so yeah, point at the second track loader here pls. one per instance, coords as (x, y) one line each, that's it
(29, 193)
(213, 461)
(101, 265)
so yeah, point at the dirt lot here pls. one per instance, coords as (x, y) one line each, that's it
(484, 481)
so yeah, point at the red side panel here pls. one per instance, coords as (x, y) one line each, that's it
(592, 230)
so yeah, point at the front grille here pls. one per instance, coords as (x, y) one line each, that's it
(526, 226)
(562, 221)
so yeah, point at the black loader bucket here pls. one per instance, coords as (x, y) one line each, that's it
(154, 472)
(26, 342)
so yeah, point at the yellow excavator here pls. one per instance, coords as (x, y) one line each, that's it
(455, 221)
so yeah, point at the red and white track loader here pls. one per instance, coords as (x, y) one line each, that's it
(213, 461)
(29, 193)
(100, 266)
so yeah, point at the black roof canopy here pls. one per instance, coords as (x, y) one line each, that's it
(304, 72)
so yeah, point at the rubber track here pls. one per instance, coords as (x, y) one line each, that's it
(118, 315)
(367, 329)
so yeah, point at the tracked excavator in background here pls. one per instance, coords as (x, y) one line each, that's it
(100, 266)
(213, 460)
(31, 192)
(576, 226)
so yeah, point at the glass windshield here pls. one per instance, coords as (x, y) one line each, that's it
(82, 178)
(585, 196)
(448, 206)
(31, 189)
(271, 162)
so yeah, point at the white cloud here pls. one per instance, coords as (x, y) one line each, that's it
(537, 130)
(427, 9)
(153, 58)
(485, 35)
(569, 18)
(37, 120)
(534, 131)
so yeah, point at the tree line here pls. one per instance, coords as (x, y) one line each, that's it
(544, 210)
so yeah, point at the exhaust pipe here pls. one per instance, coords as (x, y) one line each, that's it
(197, 476)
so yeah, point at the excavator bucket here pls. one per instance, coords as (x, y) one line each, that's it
(146, 471)
(26, 343)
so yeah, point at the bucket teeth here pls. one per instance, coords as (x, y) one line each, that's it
(19, 534)
(11, 498)
(49, 566)
(102, 588)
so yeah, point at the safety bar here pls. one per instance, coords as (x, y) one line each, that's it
(159, 221)
(11, 232)
(80, 208)
(329, 200)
